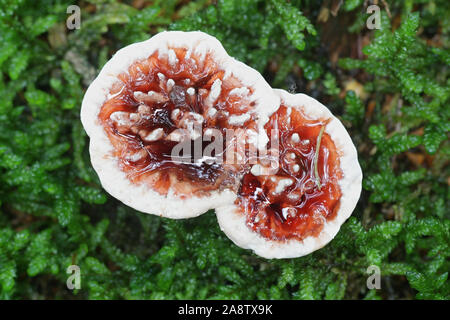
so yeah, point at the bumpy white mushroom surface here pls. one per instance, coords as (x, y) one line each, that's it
(157, 93)
(299, 208)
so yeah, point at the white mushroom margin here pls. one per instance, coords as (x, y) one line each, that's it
(114, 180)
(233, 222)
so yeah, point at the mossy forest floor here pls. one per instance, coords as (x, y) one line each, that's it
(390, 87)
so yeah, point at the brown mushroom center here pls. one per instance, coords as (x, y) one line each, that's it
(168, 99)
(295, 202)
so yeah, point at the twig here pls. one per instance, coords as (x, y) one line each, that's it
(316, 157)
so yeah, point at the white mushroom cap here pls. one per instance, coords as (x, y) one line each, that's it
(232, 220)
(113, 179)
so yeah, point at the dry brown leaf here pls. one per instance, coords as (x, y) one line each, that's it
(416, 158)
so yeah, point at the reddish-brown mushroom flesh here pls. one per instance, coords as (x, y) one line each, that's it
(157, 97)
(295, 202)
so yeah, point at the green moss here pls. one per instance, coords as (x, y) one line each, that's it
(54, 213)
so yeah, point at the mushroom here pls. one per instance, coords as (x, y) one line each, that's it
(156, 100)
(287, 214)
(178, 80)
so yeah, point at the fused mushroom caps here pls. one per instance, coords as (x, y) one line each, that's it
(153, 94)
(177, 86)
(301, 207)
